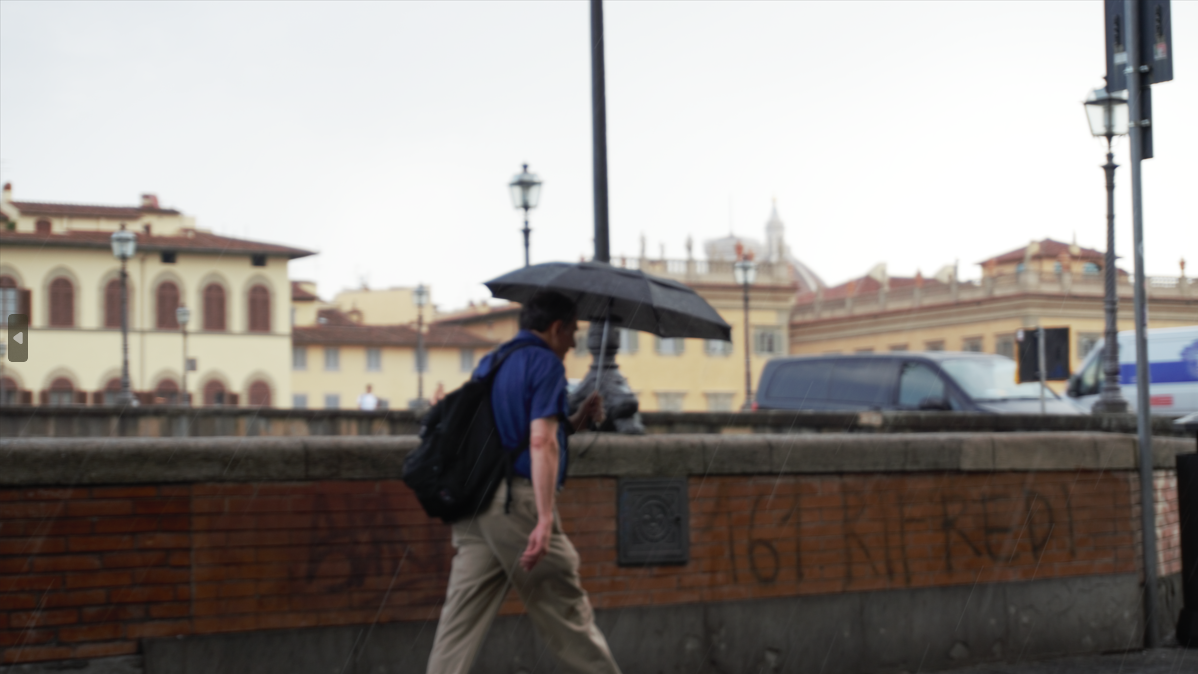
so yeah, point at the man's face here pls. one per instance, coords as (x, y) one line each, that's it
(561, 336)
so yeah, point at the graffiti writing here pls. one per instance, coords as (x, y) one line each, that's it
(893, 535)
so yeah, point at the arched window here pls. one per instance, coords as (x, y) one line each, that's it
(62, 303)
(259, 309)
(112, 304)
(10, 298)
(166, 393)
(214, 393)
(214, 307)
(43, 227)
(260, 394)
(166, 302)
(9, 392)
(62, 392)
(112, 391)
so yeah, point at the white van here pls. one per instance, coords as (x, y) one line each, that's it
(1172, 366)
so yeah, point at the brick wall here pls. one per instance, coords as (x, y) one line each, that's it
(87, 572)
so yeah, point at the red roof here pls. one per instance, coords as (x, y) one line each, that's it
(194, 242)
(446, 336)
(298, 294)
(1049, 249)
(88, 210)
(474, 315)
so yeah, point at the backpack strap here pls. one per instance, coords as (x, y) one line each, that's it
(509, 467)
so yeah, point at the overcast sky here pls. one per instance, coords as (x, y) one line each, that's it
(383, 134)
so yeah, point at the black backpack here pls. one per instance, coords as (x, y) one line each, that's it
(461, 460)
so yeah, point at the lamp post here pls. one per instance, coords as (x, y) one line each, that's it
(744, 270)
(1107, 114)
(420, 296)
(124, 245)
(182, 316)
(526, 192)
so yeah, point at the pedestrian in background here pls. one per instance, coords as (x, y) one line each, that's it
(368, 402)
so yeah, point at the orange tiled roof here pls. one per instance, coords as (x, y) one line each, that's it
(1049, 249)
(88, 210)
(446, 336)
(193, 242)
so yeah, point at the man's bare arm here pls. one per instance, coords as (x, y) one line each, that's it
(544, 451)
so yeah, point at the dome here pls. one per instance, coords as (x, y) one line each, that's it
(773, 250)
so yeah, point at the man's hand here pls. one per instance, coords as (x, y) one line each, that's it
(538, 544)
(590, 410)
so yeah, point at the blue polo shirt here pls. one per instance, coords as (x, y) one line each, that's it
(531, 384)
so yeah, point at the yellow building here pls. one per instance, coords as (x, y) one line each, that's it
(1048, 283)
(691, 375)
(57, 266)
(337, 352)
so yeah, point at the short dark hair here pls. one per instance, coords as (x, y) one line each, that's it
(544, 308)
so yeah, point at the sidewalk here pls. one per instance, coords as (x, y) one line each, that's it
(1159, 661)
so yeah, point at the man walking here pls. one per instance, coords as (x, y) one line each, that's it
(525, 547)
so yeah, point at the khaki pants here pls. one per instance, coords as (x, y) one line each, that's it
(487, 563)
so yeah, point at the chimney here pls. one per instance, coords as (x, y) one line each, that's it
(6, 195)
(149, 201)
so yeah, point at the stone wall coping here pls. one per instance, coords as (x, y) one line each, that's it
(15, 420)
(89, 461)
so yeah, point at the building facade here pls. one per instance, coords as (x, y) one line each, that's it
(57, 266)
(691, 375)
(1047, 283)
(336, 352)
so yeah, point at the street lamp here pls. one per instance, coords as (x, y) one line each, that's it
(420, 297)
(182, 316)
(526, 192)
(1107, 114)
(744, 270)
(124, 245)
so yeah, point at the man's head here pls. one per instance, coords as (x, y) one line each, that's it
(552, 316)
(368, 388)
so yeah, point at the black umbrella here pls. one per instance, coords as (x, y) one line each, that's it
(627, 298)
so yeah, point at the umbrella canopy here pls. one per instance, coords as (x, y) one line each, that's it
(631, 298)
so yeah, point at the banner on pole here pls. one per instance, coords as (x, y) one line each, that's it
(1156, 42)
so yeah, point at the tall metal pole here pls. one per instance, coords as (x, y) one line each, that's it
(421, 358)
(599, 132)
(126, 394)
(185, 401)
(748, 346)
(1143, 408)
(1041, 365)
(526, 232)
(1112, 395)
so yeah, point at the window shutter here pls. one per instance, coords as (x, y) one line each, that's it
(43, 397)
(62, 303)
(259, 394)
(167, 301)
(25, 303)
(231, 399)
(112, 304)
(259, 308)
(27, 397)
(214, 307)
(80, 397)
(97, 397)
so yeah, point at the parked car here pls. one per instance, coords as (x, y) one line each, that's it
(942, 380)
(1172, 368)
